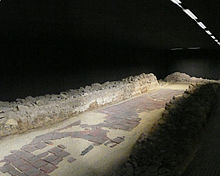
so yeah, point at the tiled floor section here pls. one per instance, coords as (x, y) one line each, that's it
(123, 116)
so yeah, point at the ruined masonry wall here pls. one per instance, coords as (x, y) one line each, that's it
(33, 112)
(178, 77)
(170, 146)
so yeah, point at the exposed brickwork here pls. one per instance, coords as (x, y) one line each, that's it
(123, 116)
(114, 142)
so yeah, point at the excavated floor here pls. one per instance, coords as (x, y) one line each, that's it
(90, 144)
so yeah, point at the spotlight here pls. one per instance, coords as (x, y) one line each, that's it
(213, 37)
(190, 14)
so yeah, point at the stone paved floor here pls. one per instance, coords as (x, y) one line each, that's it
(53, 151)
(207, 158)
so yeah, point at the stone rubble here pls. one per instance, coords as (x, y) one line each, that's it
(178, 77)
(33, 112)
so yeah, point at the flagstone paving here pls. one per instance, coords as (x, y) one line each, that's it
(44, 152)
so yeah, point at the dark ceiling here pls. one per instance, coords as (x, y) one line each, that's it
(48, 46)
(150, 24)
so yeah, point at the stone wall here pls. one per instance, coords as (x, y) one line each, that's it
(33, 112)
(169, 147)
(178, 77)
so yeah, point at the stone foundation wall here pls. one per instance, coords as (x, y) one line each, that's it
(33, 112)
(169, 147)
(178, 77)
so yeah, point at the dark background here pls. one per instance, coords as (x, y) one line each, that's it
(48, 46)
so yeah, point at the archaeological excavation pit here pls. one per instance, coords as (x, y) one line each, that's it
(129, 127)
(109, 88)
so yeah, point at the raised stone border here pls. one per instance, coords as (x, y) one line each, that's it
(178, 77)
(33, 112)
(169, 147)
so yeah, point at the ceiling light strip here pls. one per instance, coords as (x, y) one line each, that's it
(208, 32)
(173, 49)
(177, 2)
(194, 48)
(195, 18)
(201, 25)
(190, 14)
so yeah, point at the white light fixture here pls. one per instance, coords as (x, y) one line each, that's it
(194, 17)
(190, 14)
(208, 32)
(176, 1)
(201, 25)
(194, 48)
(173, 49)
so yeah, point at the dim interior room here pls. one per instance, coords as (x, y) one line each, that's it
(121, 81)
